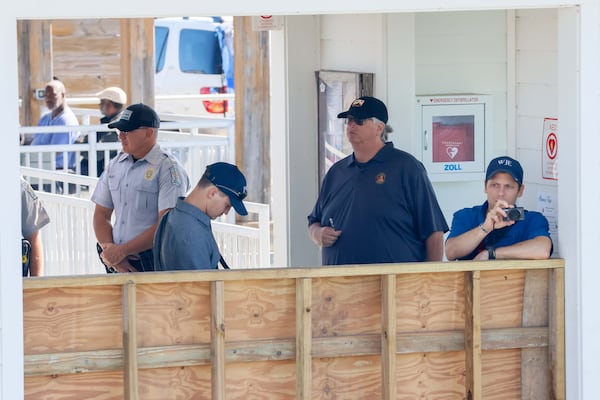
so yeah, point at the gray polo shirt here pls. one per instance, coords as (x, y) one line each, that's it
(33, 214)
(138, 190)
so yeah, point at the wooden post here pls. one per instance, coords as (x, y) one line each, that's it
(557, 333)
(388, 336)
(534, 362)
(217, 305)
(252, 105)
(35, 66)
(130, 363)
(303, 338)
(473, 335)
(137, 60)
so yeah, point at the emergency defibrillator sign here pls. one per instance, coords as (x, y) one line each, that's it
(550, 150)
(454, 134)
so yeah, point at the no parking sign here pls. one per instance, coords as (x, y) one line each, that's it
(550, 150)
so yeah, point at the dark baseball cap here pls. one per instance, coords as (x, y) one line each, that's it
(505, 164)
(230, 180)
(366, 107)
(135, 116)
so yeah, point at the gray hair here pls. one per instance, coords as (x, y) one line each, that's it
(387, 129)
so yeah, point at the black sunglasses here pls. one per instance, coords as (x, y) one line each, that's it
(357, 121)
(240, 195)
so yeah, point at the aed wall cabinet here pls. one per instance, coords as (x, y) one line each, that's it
(455, 135)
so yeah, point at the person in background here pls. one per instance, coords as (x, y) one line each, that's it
(59, 113)
(377, 205)
(139, 185)
(33, 218)
(184, 239)
(112, 101)
(497, 229)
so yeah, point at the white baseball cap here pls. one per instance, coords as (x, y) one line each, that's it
(114, 94)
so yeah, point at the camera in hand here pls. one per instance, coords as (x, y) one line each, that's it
(514, 214)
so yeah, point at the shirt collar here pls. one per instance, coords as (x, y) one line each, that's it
(381, 155)
(153, 157)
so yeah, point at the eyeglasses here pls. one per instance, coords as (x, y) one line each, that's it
(357, 121)
(125, 133)
(240, 195)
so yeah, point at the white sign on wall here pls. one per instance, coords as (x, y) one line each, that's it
(550, 149)
(267, 22)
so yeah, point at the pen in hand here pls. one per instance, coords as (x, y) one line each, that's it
(331, 223)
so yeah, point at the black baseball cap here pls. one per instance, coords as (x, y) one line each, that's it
(135, 116)
(230, 180)
(505, 164)
(366, 107)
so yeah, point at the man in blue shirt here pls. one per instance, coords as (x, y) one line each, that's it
(377, 205)
(59, 113)
(184, 239)
(485, 232)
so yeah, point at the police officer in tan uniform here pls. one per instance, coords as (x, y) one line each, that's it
(139, 185)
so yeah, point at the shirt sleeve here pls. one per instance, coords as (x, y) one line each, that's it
(173, 183)
(33, 214)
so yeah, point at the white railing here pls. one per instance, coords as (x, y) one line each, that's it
(183, 139)
(70, 243)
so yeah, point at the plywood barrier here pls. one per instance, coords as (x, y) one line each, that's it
(459, 330)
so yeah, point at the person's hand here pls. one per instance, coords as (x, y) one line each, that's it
(124, 266)
(328, 236)
(112, 254)
(494, 219)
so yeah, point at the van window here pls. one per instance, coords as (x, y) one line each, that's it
(161, 35)
(199, 52)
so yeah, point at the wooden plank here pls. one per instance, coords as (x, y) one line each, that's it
(430, 302)
(501, 375)
(431, 376)
(556, 350)
(279, 350)
(535, 382)
(346, 305)
(72, 320)
(473, 335)
(257, 309)
(130, 342)
(303, 338)
(388, 336)
(217, 304)
(252, 93)
(290, 273)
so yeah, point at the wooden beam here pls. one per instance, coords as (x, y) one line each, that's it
(35, 66)
(535, 382)
(556, 348)
(217, 304)
(252, 108)
(303, 339)
(473, 335)
(130, 373)
(388, 336)
(137, 59)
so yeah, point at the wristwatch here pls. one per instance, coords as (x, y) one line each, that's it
(491, 253)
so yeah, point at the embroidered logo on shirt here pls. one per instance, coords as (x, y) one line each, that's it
(149, 174)
(380, 178)
(175, 178)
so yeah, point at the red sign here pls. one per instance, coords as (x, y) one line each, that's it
(453, 142)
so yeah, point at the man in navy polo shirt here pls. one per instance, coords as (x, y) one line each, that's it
(485, 232)
(377, 205)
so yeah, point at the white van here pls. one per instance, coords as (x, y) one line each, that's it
(189, 61)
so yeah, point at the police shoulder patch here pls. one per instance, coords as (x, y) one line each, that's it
(175, 176)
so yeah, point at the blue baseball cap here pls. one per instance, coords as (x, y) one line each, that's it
(505, 164)
(230, 180)
(367, 107)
